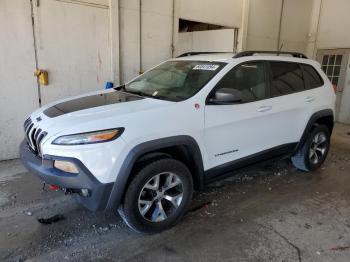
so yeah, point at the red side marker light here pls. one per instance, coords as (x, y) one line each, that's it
(197, 106)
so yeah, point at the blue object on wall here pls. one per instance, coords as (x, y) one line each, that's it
(109, 85)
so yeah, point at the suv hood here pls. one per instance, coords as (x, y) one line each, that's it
(99, 105)
(101, 109)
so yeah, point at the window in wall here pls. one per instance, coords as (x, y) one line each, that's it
(331, 65)
(247, 78)
(287, 78)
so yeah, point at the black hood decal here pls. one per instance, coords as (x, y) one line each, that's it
(90, 102)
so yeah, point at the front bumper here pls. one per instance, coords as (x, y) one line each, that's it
(43, 167)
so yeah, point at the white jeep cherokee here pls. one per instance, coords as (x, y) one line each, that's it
(142, 148)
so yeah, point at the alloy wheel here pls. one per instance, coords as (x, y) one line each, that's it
(160, 197)
(318, 148)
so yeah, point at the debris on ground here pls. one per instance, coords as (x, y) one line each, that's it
(50, 220)
(307, 226)
(340, 248)
(246, 178)
(28, 213)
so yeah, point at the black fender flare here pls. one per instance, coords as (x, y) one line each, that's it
(120, 184)
(313, 119)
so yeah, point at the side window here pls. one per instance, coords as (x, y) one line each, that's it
(248, 79)
(312, 78)
(286, 77)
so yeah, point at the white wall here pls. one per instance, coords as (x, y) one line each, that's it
(264, 25)
(129, 39)
(295, 25)
(333, 25)
(156, 35)
(18, 87)
(73, 44)
(157, 23)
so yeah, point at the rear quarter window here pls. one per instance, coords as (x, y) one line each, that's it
(312, 77)
(286, 78)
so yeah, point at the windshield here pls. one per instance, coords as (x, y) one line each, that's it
(174, 80)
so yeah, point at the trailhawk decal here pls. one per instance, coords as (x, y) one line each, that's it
(209, 67)
(225, 153)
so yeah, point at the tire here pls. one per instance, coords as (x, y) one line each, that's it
(305, 158)
(146, 207)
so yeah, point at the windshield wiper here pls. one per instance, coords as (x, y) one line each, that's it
(140, 93)
(122, 88)
(118, 88)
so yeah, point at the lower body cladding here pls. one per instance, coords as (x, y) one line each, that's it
(91, 193)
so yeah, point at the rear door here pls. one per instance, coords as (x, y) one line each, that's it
(235, 131)
(292, 100)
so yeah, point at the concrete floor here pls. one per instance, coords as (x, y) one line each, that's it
(270, 212)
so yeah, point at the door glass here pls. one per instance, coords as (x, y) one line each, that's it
(247, 78)
(287, 78)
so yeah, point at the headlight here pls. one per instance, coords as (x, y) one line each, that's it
(89, 138)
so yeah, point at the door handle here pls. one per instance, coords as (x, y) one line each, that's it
(264, 108)
(309, 99)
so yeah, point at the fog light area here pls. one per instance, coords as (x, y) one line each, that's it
(66, 166)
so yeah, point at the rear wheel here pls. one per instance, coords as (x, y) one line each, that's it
(157, 197)
(314, 151)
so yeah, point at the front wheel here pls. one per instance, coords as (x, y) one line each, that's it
(157, 197)
(314, 151)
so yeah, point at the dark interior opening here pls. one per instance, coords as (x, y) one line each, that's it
(190, 26)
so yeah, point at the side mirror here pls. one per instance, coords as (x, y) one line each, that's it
(225, 96)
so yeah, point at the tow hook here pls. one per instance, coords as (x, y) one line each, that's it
(82, 192)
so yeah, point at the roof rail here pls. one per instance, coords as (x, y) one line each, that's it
(199, 53)
(251, 53)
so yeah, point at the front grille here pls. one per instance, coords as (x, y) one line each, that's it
(34, 135)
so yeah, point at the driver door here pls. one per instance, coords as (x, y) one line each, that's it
(235, 131)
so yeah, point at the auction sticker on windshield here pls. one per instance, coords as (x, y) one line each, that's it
(209, 67)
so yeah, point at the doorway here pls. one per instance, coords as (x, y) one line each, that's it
(335, 64)
(72, 45)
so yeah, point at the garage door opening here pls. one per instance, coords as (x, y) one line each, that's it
(203, 37)
(191, 26)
